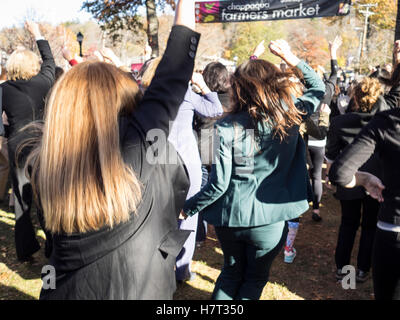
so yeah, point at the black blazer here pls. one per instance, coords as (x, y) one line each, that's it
(136, 260)
(2, 132)
(380, 136)
(345, 128)
(24, 100)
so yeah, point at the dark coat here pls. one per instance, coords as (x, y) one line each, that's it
(2, 131)
(135, 260)
(381, 136)
(345, 128)
(24, 101)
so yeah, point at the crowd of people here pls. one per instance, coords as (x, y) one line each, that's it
(126, 170)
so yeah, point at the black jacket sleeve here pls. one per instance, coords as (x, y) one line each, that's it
(48, 69)
(331, 83)
(164, 96)
(2, 132)
(333, 143)
(358, 152)
(392, 98)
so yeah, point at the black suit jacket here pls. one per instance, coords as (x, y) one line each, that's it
(24, 100)
(136, 260)
(2, 132)
(345, 128)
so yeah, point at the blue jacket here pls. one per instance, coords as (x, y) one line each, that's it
(260, 181)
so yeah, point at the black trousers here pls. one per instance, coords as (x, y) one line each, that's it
(317, 159)
(386, 265)
(26, 243)
(355, 213)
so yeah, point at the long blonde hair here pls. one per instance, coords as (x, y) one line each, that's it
(78, 171)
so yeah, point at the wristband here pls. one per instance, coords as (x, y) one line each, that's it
(253, 57)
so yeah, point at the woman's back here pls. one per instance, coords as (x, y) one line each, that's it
(265, 173)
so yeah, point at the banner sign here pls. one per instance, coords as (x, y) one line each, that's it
(259, 10)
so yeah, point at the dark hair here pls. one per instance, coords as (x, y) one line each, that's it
(263, 90)
(216, 76)
(382, 75)
(59, 72)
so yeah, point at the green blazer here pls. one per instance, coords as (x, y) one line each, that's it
(258, 180)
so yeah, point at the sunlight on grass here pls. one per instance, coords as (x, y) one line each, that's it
(274, 291)
(40, 233)
(9, 278)
(7, 218)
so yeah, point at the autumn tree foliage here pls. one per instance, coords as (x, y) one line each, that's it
(58, 36)
(115, 15)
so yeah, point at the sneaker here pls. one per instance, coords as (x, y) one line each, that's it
(316, 217)
(289, 256)
(361, 276)
(339, 274)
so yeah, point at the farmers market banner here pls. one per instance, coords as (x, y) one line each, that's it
(257, 10)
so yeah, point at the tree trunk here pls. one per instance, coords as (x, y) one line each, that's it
(152, 26)
(397, 30)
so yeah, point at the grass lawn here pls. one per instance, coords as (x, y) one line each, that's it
(310, 277)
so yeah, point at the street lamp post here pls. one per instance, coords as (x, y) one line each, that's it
(79, 38)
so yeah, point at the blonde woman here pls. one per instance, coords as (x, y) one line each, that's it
(112, 209)
(23, 102)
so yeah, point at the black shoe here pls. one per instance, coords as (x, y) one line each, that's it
(339, 274)
(361, 276)
(316, 217)
(29, 259)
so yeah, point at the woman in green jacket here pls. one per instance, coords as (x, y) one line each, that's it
(259, 178)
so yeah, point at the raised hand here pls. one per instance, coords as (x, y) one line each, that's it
(198, 80)
(109, 55)
(66, 53)
(334, 46)
(185, 14)
(396, 52)
(282, 49)
(33, 28)
(259, 50)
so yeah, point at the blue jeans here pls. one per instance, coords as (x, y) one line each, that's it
(248, 256)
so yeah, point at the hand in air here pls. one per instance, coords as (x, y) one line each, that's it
(282, 49)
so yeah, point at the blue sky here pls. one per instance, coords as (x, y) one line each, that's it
(12, 12)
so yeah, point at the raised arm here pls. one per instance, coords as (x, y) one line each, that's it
(162, 99)
(207, 106)
(48, 68)
(331, 83)
(315, 88)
